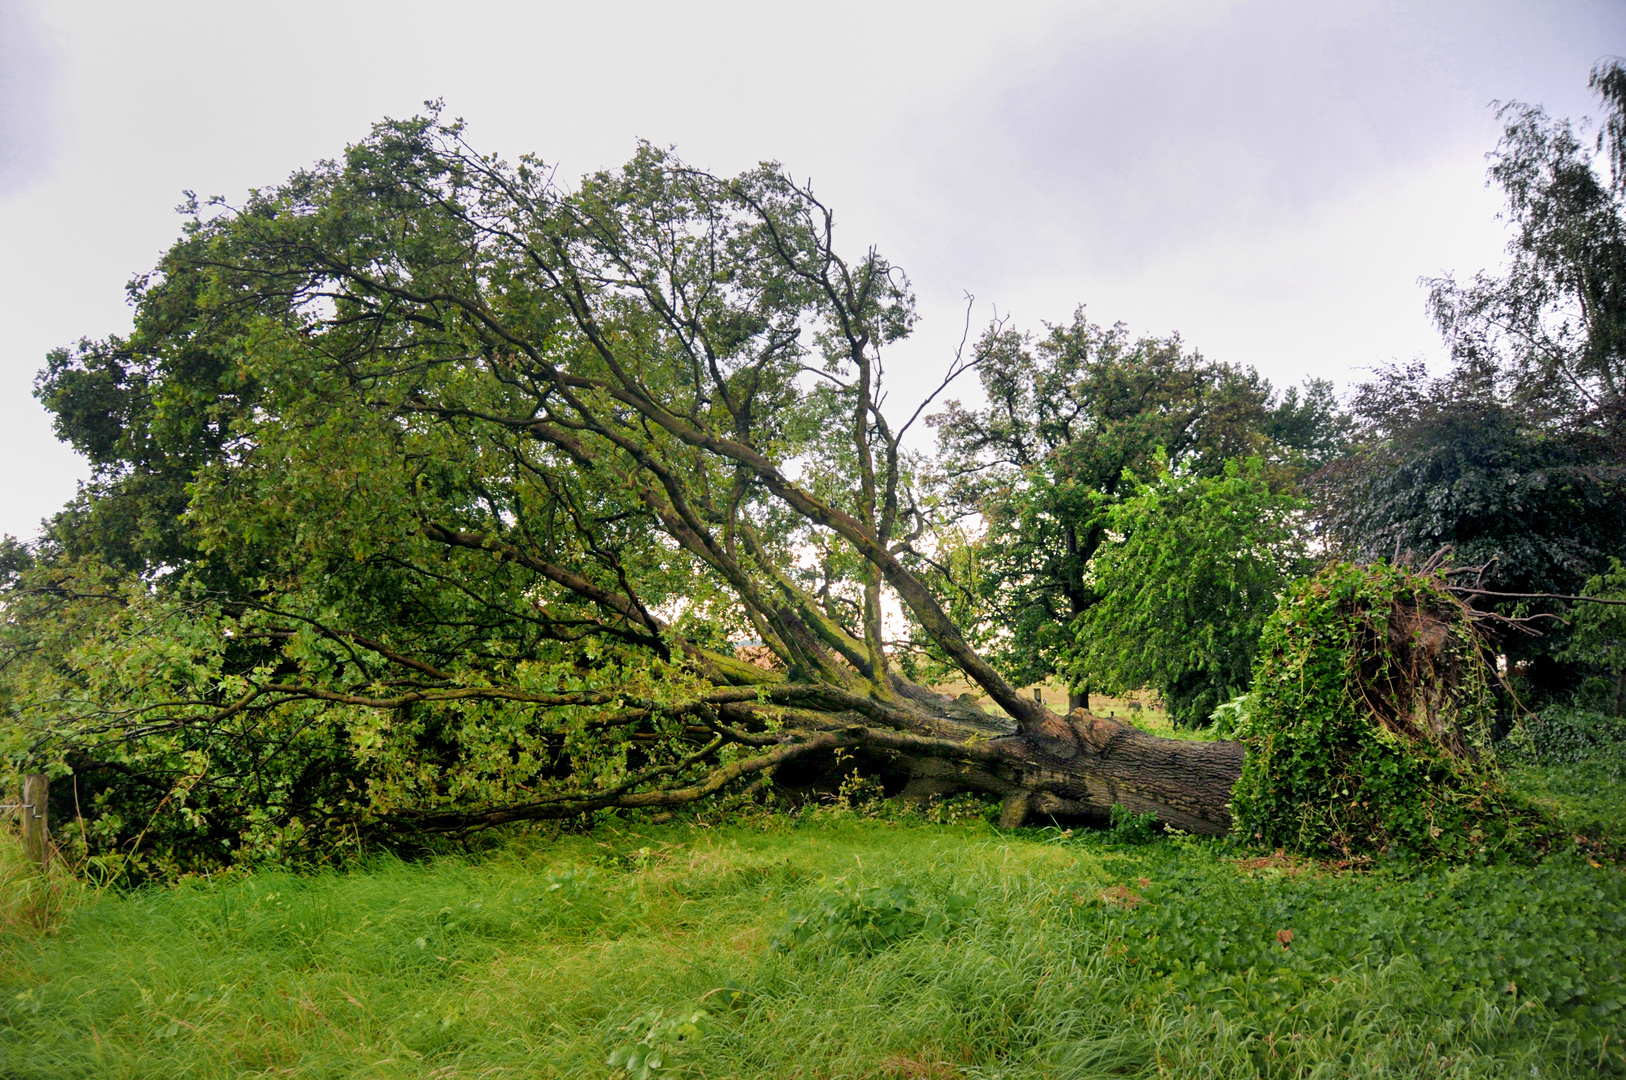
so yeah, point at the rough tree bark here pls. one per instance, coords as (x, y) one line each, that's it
(1097, 763)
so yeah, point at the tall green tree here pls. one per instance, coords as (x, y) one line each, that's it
(1039, 468)
(1517, 456)
(1196, 568)
(1599, 640)
(147, 411)
(1449, 461)
(1549, 334)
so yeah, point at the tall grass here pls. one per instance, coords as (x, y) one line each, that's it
(1077, 957)
(33, 900)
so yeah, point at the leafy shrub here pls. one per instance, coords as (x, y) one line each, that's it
(1186, 589)
(859, 794)
(1569, 736)
(658, 1042)
(1368, 726)
(1128, 827)
(1598, 636)
(959, 809)
(1228, 718)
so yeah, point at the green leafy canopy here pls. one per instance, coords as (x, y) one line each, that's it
(1192, 568)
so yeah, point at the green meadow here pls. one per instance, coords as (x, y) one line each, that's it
(842, 942)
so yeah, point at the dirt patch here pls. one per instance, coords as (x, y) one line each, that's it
(917, 1067)
(1122, 896)
(1291, 865)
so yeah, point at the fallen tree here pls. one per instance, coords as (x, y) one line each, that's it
(479, 478)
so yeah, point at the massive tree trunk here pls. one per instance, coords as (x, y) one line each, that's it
(1076, 766)
(1184, 784)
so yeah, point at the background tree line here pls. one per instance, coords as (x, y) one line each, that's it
(1139, 508)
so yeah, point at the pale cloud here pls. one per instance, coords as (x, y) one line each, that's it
(27, 75)
(1270, 178)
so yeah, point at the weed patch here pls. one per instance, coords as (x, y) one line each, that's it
(867, 920)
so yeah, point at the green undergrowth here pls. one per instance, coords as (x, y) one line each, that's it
(834, 946)
(1574, 761)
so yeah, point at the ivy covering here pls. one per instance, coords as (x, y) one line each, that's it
(1368, 725)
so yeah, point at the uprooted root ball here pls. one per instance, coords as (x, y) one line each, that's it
(1368, 729)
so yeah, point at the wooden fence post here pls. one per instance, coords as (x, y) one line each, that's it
(36, 825)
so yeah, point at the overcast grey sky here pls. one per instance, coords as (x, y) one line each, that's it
(1268, 178)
